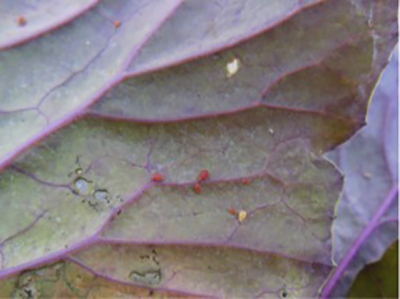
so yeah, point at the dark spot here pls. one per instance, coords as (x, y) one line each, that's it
(151, 292)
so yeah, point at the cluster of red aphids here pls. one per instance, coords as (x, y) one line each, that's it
(203, 176)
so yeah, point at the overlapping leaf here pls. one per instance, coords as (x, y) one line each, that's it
(368, 212)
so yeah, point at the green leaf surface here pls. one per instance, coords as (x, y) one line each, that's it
(380, 279)
(68, 280)
(215, 272)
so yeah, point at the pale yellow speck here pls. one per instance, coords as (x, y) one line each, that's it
(242, 215)
(232, 67)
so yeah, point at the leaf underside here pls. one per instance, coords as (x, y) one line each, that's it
(252, 92)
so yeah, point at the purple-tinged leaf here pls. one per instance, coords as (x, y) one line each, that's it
(210, 26)
(49, 81)
(68, 280)
(76, 180)
(21, 21)
(368, 212)
(332, 76)
(212, 272)
(289, 214)
(306, 96)
(48, 87)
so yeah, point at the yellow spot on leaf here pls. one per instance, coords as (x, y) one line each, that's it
(232, 67)
(242, 215)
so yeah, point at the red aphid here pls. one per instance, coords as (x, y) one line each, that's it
(117, 24)
(245, 182)
(22, 21)
(232, 211)
(157, 177)
(197, 188)
(204, 175)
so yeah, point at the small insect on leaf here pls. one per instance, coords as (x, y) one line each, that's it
(232, 67)
(242, 215)
(117, 24)
(204, 175)
(22, 21)
(245, 181)
(157, 177)
(197, 188)
(232, 211)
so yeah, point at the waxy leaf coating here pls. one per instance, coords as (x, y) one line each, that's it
(108, 122)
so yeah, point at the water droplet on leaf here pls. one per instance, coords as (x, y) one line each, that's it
(82, 186)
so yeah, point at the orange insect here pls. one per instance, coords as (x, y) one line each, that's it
(245, 182)
(232, 211)
(22, 21)
(158, 177)
(197, 188)
(204, 175)
(117, 24)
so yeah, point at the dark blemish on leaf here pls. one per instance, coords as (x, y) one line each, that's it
(283, 292)
(102, 194)
(22, 21)
(93, 206)
(119, 212)
(144, 256)
(151, 292)
(148, 278)
(155, 260)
